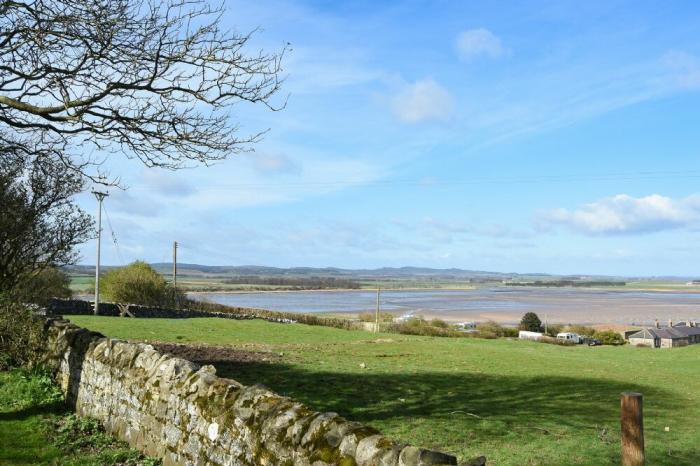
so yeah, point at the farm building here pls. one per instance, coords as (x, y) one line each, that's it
(682, 334)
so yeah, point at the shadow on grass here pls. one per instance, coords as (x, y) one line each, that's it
(370, 397)
(471, 407)
(58, 407)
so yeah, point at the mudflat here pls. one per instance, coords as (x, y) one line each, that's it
(502, 304)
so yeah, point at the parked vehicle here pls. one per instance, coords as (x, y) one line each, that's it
(594, 342)
(569, 336)
(526, 335)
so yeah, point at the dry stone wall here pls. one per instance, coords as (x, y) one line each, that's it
(60, 307)
(173, 409)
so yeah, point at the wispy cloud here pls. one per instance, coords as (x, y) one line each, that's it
(274, 163)
(424, 100)
(624, 214)
(165, 184)
(476, 43)
(685, 68)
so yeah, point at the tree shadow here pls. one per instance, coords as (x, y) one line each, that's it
(58, 407)
(482, 406)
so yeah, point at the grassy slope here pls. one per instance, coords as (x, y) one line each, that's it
(515, 402)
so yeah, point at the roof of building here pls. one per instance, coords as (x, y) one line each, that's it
(667, 332)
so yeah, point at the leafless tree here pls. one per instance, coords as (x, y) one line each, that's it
(150, 79)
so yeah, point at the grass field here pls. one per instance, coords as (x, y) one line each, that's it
(36, 427)
(82, 284)
(516, 402)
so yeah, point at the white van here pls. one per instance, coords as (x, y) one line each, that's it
(568, 336)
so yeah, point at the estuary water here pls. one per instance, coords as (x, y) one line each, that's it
(505, 305)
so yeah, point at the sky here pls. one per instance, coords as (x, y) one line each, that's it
(521, 136)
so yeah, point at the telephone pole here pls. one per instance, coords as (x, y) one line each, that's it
(175, 273)
(376, 314)
(100, 197)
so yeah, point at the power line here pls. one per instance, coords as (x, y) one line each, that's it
(114, 236)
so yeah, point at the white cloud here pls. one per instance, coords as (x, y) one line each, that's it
(624, 214)
(423, 100)
(478, 43)
(685, 68)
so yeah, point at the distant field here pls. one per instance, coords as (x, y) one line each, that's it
(662, 285)
(515, 402)
(82, 284)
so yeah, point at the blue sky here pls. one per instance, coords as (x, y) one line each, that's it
(555, 137)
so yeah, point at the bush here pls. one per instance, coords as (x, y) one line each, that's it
(609, 337)
(439, 323)
(419, 326)
(531, 322)
(139, 283)
(554, 329)
(370, 317)
(491, 329)
(44, 285)
(21, 335)
(583, 330)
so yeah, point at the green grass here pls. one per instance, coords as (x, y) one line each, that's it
(82, 284)
(516, 402)
(36, 427)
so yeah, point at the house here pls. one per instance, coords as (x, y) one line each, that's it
(681, 334)
(525, 335)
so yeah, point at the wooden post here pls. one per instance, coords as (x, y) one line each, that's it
(632, 425)
(376, 314)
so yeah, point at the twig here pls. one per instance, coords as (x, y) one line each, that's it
(468, 414)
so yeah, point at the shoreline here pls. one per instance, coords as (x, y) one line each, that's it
(510, 288)
(334, 290)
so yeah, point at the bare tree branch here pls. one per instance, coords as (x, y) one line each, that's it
(150, 79)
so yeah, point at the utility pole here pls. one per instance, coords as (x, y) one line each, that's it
(376, 314)
(175, 273)
(100, 197)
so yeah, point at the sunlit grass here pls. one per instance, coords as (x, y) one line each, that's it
(515, 402)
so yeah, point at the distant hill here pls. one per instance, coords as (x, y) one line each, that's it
(387, 273)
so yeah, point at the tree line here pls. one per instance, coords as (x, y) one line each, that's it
(572, 283)
(308, 283)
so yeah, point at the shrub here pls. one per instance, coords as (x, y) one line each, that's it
(42, 286)
(531, 322)
(609, 337)
(439, 323)
(138, 283)
(554, 329)
(419, 326)
(491, 329)
(370, 317)
(21, 335)
(583, 330)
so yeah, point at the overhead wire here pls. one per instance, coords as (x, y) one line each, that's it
(114, 236)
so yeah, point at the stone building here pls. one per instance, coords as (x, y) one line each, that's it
(681, 334)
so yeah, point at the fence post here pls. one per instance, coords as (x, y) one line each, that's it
(632, 425)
